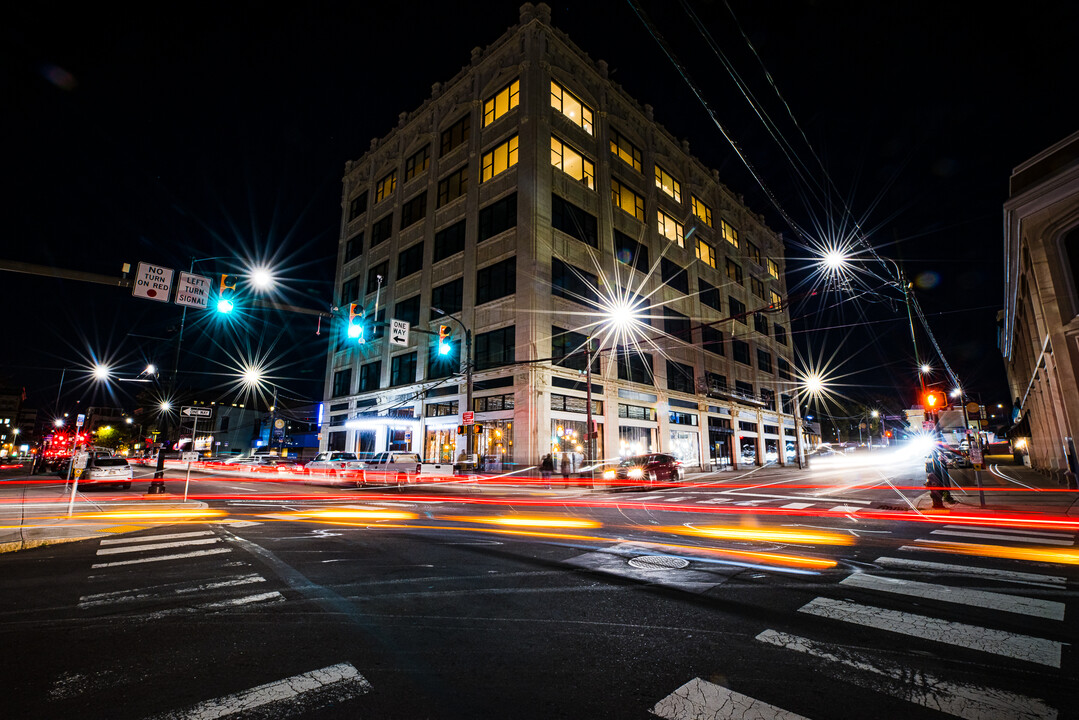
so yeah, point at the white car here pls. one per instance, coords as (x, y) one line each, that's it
(104, 469)
(393, 468)
(336, 467)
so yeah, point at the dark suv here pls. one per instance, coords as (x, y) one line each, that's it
(649, 469)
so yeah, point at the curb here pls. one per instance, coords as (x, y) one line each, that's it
(31, 544)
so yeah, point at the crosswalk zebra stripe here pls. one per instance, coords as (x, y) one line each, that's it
(1016, 531)
(1035, 607)
(702, 699)
(156, 546)
(960, 699)
(845, 509)
(796, 506)
(152, 538)
(160, 558)
(973, 637)
(1004, 575)
(998, 536)
(122, 596)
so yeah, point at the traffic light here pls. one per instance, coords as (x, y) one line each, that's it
(478, 429)
(225, 293)
(460, 429)
(355, 328)
(934, 400)
(443, 339)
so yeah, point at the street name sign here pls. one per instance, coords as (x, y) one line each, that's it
(399, 332)
(193, 290)
(153, 282)
(189, 457)
(468, 417)
(196, 412)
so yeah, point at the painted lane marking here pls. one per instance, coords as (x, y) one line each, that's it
(997, 642)
(1019, 605)
(159, 558)
(997, 536)
(677, 498)
(795, 497)
(845, 509)
(1060, 535)
(268, 598)
(1005, 575)
(150, 538)
(121, 596)
(343, 679)
(796, 506)
(158, 546)
(702, 699)
(960, 699)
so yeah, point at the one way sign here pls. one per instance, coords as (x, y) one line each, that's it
(198, 412)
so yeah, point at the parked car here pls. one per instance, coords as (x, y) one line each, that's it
(647, 469)
(399, 468)
(106, 469)
(336, 467)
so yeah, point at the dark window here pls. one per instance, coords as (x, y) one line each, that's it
(496, 281)
(448, 297)
(498, 217)
(410, 260)
(784, 368)
(636, 412)
(414, 210)
(494, 403)
(746, 389)
(760, 323)
(450, 241)
(769, 398)
(573, 221)
(418, 163)
(712, 339)
(568, 350)
(440, 366)
(781, 334)
(453, 186)
(753, 252)
(357, 206)
(403, 369)
(715, 382)
(381, 230)
(408, 310)
(740, 351)
(764, 360)
(734, 271)
(373, 274)
(787, 405)
(681, 418)
(495, 348)
(440, 409)
(630, 252)
(675, 276)
(635, 367)
(350, 290)
(676, 324)
(342, 382)
(354, 247)
(757, 286)
(573, 283)
(738, 309)
(370, 376)
(679, 377)
(709, 295)
(455, 134)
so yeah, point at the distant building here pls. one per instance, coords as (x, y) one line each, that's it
(1040, 328)
(524, 195)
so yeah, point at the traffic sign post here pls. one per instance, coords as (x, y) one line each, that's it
(195, 412)
(79, 420)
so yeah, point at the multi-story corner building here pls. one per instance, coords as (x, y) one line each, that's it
(529, 198)
(1040, 333)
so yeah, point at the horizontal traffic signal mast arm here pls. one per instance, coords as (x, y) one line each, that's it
(63, 273)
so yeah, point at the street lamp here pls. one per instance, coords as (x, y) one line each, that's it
(101, 372)
(262, 278)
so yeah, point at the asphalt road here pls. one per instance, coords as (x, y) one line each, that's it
(680, 603)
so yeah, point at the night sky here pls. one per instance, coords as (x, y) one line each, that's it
(144, 133)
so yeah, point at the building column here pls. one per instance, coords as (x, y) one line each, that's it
(760, 438)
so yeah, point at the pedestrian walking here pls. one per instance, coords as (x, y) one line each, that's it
(936, 490)
(566, 468)
(546, 468)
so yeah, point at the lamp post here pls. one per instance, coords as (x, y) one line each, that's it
(469, 435)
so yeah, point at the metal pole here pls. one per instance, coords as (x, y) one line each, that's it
(470, 434)
(71, 466)
(589, 448)
(194, 437)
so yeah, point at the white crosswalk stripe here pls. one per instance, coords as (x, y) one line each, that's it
(168, 590)
(143, 547)
(702, 699)
(155, 538)
(162, 558)
(1003, 575)
(1058, 534)
(1024, 538)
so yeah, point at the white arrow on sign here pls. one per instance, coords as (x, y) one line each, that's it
(399, 332)
(192, 411)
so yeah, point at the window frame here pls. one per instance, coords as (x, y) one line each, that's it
(558, 103)
(675, 191)
(490, 160)
(729, 233)
(458, 179)
(665, 219)
(410, 164)
(491, 113)
(381, 190)
(588, 168)
(632, 151)
(618, 190)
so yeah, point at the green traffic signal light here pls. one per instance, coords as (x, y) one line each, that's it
(225, 294)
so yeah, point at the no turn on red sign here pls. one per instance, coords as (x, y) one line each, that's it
(153, 282)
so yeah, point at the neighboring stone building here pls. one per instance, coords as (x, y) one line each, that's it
(1040, 334)
(528, 196)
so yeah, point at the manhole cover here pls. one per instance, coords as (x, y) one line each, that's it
(658, 562)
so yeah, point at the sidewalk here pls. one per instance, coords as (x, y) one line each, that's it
(32, 515)
(1007, 488)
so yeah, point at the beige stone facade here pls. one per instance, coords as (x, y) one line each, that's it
(1040, 333)
(541, 244)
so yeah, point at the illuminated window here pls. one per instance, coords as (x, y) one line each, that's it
(386, 186)
(500, 159)
(753, 252)
(504, 100)
(729, 233)
(572, 163)
(706, 253)
(417, 163)
(701, 210)
(625, 150)
(668, 184)
(455, 134)
(669, 228)
(775, 299)
(569, 105)
(773, 269)
(627, 200)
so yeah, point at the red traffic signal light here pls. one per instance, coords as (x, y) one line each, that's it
(460, 429)
(934, 400)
